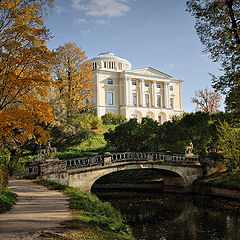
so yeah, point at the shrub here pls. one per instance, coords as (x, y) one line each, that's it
(113, 119)
(7, 200)
(88, 121)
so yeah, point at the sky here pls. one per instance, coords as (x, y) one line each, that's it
(148, 33)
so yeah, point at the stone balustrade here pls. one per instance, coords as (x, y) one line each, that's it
(102, 160)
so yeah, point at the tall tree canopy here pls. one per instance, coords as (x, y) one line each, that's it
(218, 26)
(25, 71)
(73, 76)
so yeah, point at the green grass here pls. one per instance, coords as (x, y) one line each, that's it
(95, 144)
(230, 180)
(90, 211)
(7, 200)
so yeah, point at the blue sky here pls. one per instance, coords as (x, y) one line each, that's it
(148, 33)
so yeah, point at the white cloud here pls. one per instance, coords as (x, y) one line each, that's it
(80, 21)
(60, 9)
(100, 8)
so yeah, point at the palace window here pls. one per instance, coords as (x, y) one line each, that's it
(105, 64)
(110, 81)
(172, 103)
(158, 85)
(134, 82)
(159, 100)
(147, 100)
(171, 88)
(146, 84)
(110, 98)
(94, 65)
(134, 99)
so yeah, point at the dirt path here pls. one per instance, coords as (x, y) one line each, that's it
(38, 209)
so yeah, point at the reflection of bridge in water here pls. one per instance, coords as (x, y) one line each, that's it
(83, 172)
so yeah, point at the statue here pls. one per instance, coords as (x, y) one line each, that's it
(50, 151)
(189, 149)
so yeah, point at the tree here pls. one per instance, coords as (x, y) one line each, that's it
(229, 144)
(207, 101)
(72, 94)
(73, 77)
(218, 27)
(25, 72)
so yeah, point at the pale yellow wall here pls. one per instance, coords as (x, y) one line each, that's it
(102, 86)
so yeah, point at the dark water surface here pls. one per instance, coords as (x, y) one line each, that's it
(175, 216)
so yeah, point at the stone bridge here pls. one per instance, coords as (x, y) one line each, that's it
(84, 172)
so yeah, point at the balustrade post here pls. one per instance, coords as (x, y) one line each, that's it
(150, 157)
(107, 159)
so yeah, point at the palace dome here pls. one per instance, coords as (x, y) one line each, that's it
(109, 61)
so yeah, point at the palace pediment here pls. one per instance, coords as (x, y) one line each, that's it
(149, 72)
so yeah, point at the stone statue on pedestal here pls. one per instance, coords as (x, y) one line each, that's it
(189, 149)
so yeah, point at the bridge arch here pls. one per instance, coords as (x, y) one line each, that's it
(86, 178)
(124, 179)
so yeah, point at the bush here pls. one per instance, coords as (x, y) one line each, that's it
(113, 119)
(88, 121)
(7, 200)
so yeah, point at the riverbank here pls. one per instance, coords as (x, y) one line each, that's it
(93, 219)
(223, 184)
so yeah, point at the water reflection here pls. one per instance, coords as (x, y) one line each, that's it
(176, 217)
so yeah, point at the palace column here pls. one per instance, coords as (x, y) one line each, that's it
(142, 93)
(126, 91)
(129, 91)
(120, 92)
(166, 95)
(154, 94)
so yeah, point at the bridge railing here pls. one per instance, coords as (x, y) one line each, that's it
(101, 160)
(90, 161)
(135, 156)
(154, 156)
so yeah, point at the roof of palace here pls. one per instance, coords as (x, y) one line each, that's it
(108, 56)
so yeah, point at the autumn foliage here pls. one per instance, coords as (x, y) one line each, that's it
(25, 72)
(207, 100)
(73, 76)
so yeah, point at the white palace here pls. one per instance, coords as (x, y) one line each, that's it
(134, 93)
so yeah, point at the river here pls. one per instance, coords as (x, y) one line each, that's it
(166, 216)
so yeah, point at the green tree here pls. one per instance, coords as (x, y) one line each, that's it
(218, 27)
(229, 144)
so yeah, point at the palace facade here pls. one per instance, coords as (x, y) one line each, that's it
(134, 93)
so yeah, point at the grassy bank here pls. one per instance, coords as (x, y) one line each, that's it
(229, 180)
(95, 144)
(7, 200)
(97, 220)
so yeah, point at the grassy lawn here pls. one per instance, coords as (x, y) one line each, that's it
(93, 218)
(7, 200)
(95, 144)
